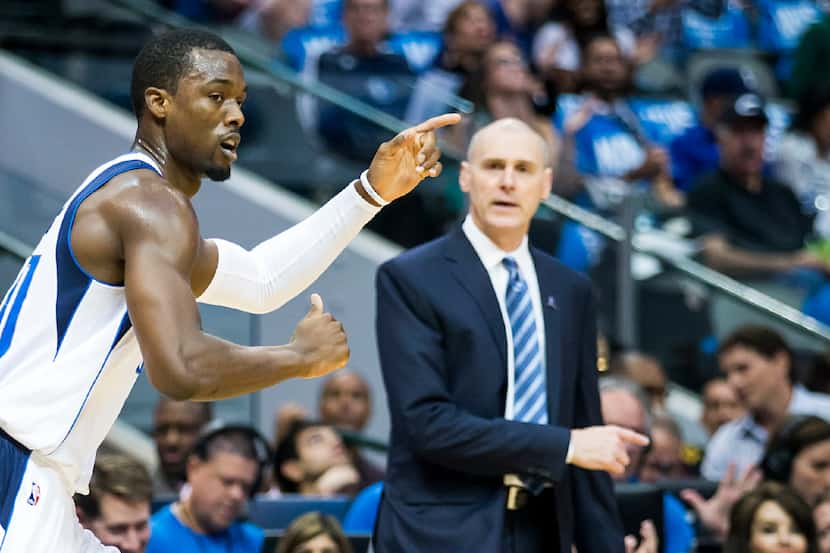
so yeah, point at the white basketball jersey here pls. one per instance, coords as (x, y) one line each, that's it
(68, 354)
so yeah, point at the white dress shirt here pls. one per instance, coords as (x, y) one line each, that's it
(491, 257)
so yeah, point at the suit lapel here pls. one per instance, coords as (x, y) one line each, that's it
(467, 269)
(551, 295)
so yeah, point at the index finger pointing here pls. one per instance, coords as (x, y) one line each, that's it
(438, 122)
(633, 437)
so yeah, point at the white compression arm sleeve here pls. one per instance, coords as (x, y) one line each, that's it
(266, 277)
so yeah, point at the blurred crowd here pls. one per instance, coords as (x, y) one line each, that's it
(710, 112)
(715, 112)
(750, 473)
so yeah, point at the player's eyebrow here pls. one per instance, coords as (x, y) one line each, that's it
(228, 82)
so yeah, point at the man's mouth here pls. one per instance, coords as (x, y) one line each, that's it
(229, 145)
(503, 203)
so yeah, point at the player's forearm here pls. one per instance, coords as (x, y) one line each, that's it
(275, 271)
(210, 368)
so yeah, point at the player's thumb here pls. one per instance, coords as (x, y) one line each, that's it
(316, 304)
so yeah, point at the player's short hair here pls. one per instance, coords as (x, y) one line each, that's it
(166, 58)
(117, 475)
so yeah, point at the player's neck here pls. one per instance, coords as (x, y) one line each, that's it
(177, 176)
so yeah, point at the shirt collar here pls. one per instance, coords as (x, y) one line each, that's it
(749, 428)
(490, 254)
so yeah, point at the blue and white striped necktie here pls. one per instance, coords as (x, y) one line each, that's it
(529, 392)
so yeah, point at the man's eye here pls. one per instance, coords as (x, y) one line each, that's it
(216, 97)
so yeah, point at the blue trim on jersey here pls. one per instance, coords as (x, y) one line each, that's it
(7, 329)
(13, 460)
(125, 325)
(73, 280)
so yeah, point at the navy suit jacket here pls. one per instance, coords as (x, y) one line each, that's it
(443, 352)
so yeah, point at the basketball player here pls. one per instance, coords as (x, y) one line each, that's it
(111, 289)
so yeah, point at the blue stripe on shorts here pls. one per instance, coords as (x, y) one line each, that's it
(13, 459)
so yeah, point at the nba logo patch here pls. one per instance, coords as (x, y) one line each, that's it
(34, 495)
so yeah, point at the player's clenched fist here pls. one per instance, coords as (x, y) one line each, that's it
(604, 447)
(320, 341)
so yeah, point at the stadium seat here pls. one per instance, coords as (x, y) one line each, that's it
(363, 510)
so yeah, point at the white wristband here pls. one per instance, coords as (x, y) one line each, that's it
(364, 179)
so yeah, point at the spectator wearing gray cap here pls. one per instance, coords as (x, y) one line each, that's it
(753, 226)
(695, 152)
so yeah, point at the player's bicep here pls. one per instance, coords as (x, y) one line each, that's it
(158, 260)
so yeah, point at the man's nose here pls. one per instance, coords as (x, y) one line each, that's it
(235, 118)
(508, 178)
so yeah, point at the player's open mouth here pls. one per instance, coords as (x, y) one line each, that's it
(229, 145)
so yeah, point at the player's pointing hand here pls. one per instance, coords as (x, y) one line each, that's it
(401, 163)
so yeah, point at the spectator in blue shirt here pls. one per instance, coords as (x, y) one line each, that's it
(364, 70)
(695, 152)
(221, 473)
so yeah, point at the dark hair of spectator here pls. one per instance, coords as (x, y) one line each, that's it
(743, 515)
(761, 339)
(233, 441)
(789, 439)
(817, 377)
(474, 88)
(307, 527)
(165, 58)
(458, 13)
(814, 100)
(117, 475)
(566, 13)
(287, 451)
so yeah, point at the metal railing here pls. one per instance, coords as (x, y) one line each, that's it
(15, 247)
(698, 272)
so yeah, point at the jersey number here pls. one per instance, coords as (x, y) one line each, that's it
(15, 299)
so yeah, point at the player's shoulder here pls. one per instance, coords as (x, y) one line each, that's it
(143, 199)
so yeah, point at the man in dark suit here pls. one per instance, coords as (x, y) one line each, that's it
(488, 351)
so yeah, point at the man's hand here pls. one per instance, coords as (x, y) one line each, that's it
(714, 512)
(603, 448)
(400, 164)
(320, 341)
(648, 539)
(336, 478)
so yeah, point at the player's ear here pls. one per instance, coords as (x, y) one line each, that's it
(157, 101)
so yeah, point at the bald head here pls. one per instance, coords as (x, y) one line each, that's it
(176, 427)
(345, 401)
(502, 130)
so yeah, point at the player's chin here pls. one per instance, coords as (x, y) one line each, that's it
(218, 173)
